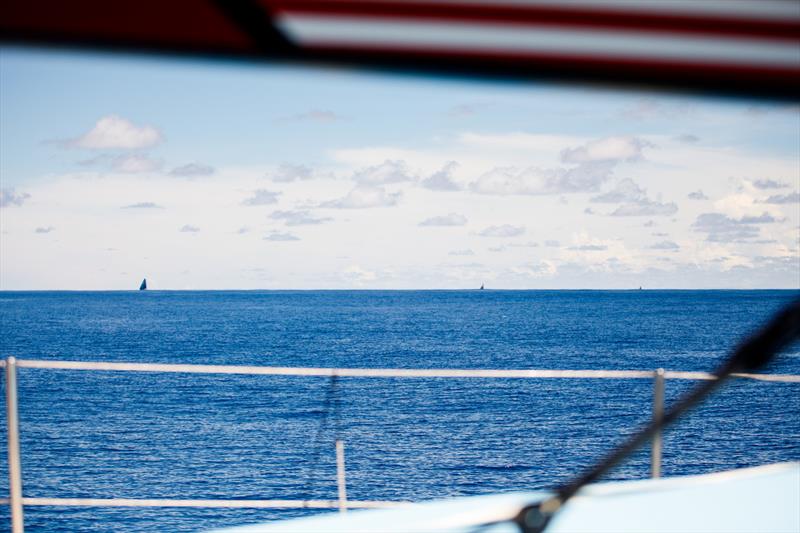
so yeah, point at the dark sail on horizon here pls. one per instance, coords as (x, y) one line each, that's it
(143, 286)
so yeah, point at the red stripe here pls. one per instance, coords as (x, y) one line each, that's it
(545, 16)
(676, 72)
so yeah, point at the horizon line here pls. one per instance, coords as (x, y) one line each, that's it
(634, 289)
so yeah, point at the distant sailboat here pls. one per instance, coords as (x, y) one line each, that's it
(143, 286)
(481, 287)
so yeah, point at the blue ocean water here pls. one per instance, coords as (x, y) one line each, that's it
(137, 435)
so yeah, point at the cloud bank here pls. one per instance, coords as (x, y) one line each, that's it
(10, 197)
(453, 219)
(115, 132)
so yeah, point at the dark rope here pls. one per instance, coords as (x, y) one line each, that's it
(751, 355)
(331, 400)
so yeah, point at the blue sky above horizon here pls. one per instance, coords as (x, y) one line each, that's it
(213, 175)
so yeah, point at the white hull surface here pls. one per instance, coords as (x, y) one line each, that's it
(765, 498)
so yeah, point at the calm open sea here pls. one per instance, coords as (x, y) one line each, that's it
(135, 435)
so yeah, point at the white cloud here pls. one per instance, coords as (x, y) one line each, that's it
(722, 228)
(598, 254)
(442, 180)
(287, 172)
(383, 174)
(280, 237)
(634, 201)
(192, 170)
(114, 132)
(143, 205)
(511, 181)
(98, 207)
(769, 184)
(697, 195)
(646, 208)
(44, 229)
(608, 149)
(589, 248)
(128, 163)
(261, 197)
(539, 269)
(135, 163)
(537, 181)
(299, 217)
(188, 228)
(453, 219)
(359, 275)
(9, 197)
(763, 218)
(665, 245)
(791, 198)
(363, 197)
(625, 191)
(505, 230)
(745, 203)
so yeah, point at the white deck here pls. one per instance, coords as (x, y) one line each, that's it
(765, 498)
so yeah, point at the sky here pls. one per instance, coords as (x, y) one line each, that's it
(201, 174)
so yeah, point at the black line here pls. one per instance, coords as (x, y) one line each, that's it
(754, 353)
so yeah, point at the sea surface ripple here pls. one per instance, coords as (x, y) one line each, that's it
(156, 435)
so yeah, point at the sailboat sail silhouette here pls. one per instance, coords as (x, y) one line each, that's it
(143, 286)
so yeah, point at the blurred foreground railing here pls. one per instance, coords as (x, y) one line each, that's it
(17, 501)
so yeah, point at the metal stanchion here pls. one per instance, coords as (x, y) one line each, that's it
(14, 464)
(658, 412)
(341, 481)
